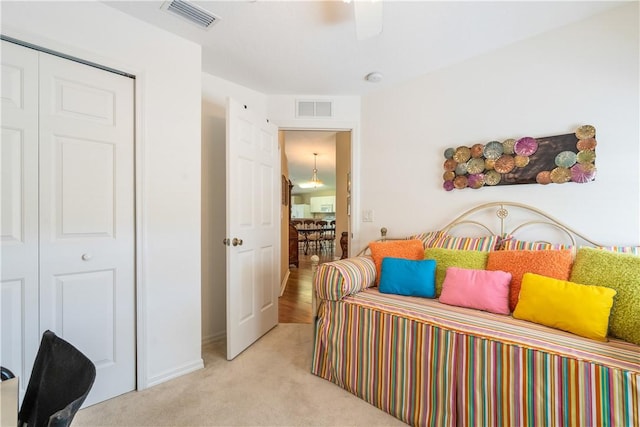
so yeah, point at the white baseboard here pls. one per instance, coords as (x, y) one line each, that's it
(283, 285)
(175, 373)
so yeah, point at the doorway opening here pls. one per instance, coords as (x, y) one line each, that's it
(317, 166)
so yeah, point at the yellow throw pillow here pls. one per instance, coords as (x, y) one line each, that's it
(579, 309)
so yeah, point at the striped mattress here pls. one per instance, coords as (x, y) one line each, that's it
(432, 364)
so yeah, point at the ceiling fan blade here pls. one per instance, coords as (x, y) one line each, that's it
(368, 17)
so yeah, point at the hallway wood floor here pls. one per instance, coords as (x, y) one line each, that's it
(294, 306)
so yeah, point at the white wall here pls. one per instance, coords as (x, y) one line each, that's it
(343, 171)
(284, 215)
(214, 98)
(167, 164)
(585, 73)
(345, 111)
(213, 222)
(216, 90)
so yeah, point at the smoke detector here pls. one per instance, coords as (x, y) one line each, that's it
(190, 12)
(374, 77)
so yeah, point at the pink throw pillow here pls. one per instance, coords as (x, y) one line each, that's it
(479, 289)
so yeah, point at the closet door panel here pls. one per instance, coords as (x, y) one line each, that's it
(86, 301)
(86, 173)
(87, 217)
(20, 336)
(13, 187)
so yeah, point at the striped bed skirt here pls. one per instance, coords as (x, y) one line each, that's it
(431, 373)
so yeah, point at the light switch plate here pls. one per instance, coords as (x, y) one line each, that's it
(367, 215)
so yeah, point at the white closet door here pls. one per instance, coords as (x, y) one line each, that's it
(19, 185)
(87, 217)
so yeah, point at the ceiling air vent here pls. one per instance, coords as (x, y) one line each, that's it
(308, 109)
(192, 13)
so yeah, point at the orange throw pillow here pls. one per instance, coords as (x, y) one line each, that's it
(550, 263)
(407, 249)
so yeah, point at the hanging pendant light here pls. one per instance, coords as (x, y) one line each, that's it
(315, 182)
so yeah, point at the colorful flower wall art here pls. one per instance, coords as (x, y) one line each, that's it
(526, 160)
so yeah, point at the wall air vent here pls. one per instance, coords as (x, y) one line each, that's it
(307, 109)
(192, 13)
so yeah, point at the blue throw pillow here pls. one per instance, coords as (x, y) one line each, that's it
(408, 277)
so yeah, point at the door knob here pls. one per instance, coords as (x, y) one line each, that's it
(86, 257)
(225, 242)
(236, 242)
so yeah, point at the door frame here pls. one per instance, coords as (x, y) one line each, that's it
(337, 126)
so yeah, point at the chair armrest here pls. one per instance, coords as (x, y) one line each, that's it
(5, 374)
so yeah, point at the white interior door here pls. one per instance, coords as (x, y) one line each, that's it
(19, 329)
(253, 227)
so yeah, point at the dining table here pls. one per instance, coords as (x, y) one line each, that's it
(308, 231)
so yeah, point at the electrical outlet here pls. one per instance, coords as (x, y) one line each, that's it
(367, 215)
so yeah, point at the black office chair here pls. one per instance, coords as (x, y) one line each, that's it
(5, 374)
(60, 381)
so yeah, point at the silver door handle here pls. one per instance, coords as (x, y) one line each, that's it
(236, 242)
(86, 257)
(225, 242)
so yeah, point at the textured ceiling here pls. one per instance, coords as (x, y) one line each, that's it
(310, 47)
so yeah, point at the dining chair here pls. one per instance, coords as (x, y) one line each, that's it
(60, 381)
(302, 239)
(330, 235)
(321, 225)
(308, 224)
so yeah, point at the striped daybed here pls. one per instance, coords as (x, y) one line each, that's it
(428, 363)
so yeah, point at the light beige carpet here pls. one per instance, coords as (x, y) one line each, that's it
(270, 384)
